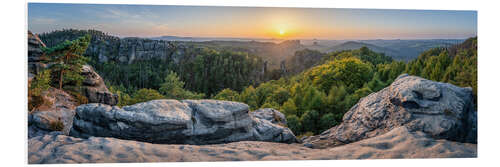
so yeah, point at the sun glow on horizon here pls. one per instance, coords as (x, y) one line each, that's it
(282, 32)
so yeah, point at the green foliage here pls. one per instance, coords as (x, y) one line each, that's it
(143, 95)
(289, 108)
(227, 94)
(456, 65)
(327, 121)
(351, 72)
(202, 70)
(310, 120)
(67, 59)
(40, 83)
(271, 104)
(123, 98)
(293, 122)
(249, 97)
(173, 88)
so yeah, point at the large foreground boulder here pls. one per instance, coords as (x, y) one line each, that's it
(398, 143)
(441, 110)
(177, 122)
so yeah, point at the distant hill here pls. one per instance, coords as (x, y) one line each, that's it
(352, 45)
(403, 50)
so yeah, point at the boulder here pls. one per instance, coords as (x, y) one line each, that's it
(441, 110)
(177, 122)
(94, 88)
(56, 115)
(272, 115)
(397, 143)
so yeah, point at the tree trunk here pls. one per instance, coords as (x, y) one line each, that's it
(61, 79)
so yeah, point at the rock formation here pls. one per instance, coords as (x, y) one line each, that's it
(94, 88)
(397, 143)
(412, 118)
(272, 115)
(441, 110)
(48, 117)
(177, 122)
(35, 53)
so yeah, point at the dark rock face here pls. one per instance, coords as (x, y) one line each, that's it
(94, 88)
(35, 53)
(177, 122)
(443, 111)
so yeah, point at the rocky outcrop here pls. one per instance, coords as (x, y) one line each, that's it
(397, 143)
(35, 54)
(177, 122)
(440, 110)
(94, 88)
(56, 115)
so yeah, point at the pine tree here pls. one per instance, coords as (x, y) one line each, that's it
(67, 59)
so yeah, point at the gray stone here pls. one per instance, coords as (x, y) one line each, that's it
(95, 89)
(177, 122)
(441, 110)
(272, 115)
(397, 143)
(59, 109)
(35, 54)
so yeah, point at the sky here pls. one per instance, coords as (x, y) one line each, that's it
(253, 22)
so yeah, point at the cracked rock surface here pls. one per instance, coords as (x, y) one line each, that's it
(441, 110)
(177, 122)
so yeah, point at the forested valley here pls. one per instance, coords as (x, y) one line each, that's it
(313, 98)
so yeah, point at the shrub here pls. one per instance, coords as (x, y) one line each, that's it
(293, 122)
(143, 95)
(39, 84)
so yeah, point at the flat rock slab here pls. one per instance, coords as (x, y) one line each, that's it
(177, 122)
(398, 143)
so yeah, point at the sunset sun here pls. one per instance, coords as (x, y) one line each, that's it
(281, 32)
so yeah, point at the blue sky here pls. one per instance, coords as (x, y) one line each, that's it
(299, 23)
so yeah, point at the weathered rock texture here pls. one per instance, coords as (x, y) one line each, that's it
(441, 110)
(94, 88)
(177, 122)
(272, 115)
(35, 53)
(398, 143)
(59, 109)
